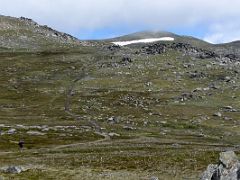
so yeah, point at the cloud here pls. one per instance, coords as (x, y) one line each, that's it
(75, 16)
(223, 32)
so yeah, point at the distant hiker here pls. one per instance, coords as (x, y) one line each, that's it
(20, 144)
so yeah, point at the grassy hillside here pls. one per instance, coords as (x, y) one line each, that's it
(103, 112)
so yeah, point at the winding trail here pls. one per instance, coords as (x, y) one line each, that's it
(138, 140)
(106, 138)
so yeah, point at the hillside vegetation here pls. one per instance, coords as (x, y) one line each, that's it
(93, 110)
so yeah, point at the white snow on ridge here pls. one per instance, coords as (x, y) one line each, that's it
(124, 43)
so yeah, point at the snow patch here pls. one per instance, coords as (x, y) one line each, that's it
(124, 43)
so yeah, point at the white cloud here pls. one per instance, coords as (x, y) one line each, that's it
(77, 15)
(223, 32)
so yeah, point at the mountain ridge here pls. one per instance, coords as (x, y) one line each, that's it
(25, 34)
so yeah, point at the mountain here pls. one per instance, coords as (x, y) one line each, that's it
(159, 34)
(96, 110)
(23, 34)
(225, 48)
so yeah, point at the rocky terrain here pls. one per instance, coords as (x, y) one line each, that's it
(94, 110)
(23, 34)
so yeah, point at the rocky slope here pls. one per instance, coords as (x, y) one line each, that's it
(23, 34)
(161, 110)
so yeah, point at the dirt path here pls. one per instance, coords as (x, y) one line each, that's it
(141, 140)
(106, 138)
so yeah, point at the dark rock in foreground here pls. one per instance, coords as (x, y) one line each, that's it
(227, 169)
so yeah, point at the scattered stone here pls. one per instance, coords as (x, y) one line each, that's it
(126, 60)
(35, 133)
(21, 126)
(187, 96)
(114, 119)
(113, 134)
(227, 119)
(214, 86)
(114, 47)
(229, 109)
(153, 178)
(217, 114)
(154, 49)
(11, 131)
(196, 74)
(148, 84)
(227, 169)
(12, 169)
(129, 128)
(86, 127)
(45, 129)
(188, 65)
(145, 123)
(163, 122)
(197, 89)
(176, 145)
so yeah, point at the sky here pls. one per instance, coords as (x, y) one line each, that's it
(216, 21)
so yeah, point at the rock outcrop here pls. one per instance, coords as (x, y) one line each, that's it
(227, 169)
(186, 49)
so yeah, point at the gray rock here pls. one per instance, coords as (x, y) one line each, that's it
(217, 114)
(11, 131)
(229, 109)
(227, 169)
(211, 169)
(12, 169)
(45, 129)
(113, 134)
(228, 159)
(114, 119)
(153, 178)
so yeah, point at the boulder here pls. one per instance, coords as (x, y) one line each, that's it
(217, 114)
(229, 109)
(12, 169)
(227, 169)
(228, 159)
(208, 174)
